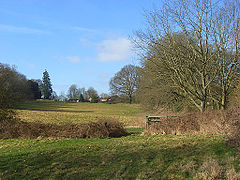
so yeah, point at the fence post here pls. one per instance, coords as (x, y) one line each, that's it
(147, 122)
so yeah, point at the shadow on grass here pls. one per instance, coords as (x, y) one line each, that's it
(110, 162)
(44, 105)
(134, 131)
(54, 110)
(50, 106)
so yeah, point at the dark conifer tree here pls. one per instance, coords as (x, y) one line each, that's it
(47, 85)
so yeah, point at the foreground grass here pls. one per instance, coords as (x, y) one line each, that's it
(59, 112)
(131, 157)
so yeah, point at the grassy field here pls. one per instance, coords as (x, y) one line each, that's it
(131, 157)
(59, 112)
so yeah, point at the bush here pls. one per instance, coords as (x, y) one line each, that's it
(100, 129)
(7, 115)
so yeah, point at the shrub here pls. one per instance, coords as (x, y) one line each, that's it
(100, 129)
(7, 115)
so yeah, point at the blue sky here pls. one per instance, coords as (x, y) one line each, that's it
(82, 42)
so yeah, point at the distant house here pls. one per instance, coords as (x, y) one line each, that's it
(89, 99)
(73, 100)
(105, 100)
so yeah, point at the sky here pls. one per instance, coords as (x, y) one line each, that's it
(82, 42)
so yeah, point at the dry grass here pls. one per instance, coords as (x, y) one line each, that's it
(77, 113)
(210, 169)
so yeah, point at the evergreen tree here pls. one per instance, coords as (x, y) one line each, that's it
(47, 85)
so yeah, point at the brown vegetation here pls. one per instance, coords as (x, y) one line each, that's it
(100, 129)
(212, 169)
(7, 114)
(207, 123)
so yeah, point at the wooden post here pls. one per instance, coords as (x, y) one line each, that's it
(147, 121)
(155, 119)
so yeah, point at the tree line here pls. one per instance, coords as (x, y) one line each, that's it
(80, 94)
(15, 88)
(123, 88)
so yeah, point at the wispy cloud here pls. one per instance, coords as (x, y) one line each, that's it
(104, 75)
(27, 30)
(86, 42)
(73, 59)
(84, 29)
(114, 50)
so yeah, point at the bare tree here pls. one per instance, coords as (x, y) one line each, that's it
(73, 92)
(62, 97)
(104, 95)
(184, 39)
(226, 44)
(237, 93)
(92, 94)
(125, 82)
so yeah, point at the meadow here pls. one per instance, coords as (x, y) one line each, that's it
(77, 113)
(131, 157)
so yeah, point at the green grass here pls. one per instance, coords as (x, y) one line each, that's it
(59, 112)
(131, 157)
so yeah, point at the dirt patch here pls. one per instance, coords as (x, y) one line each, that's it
(100, 129)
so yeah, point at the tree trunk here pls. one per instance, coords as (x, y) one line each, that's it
(223, 103)
(130, 99)
(203, 105)
(203, 102)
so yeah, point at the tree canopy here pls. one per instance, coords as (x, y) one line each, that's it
(190, 54)
(92, 94)
(125, 82)
(13, 87)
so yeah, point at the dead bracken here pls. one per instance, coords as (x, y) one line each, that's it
(101, 129)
